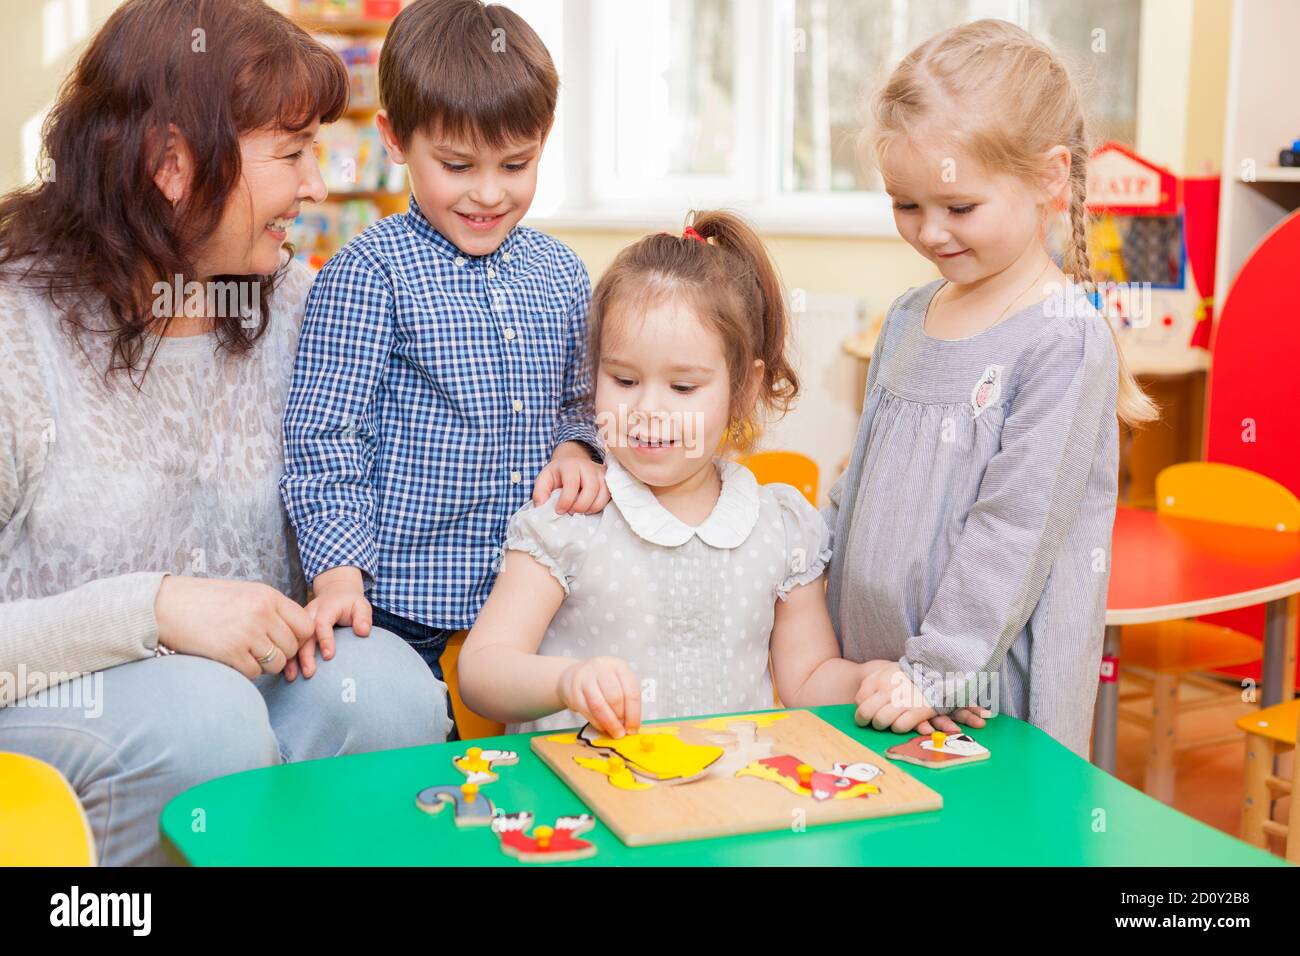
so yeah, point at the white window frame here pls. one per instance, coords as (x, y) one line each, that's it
(594, 197)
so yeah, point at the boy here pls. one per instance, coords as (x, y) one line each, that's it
(441, 371)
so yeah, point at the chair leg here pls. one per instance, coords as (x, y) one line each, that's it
(1293, 818)
(1164, 716)
(1257, 805)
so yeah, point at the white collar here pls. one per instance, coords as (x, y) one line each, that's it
(727, 526)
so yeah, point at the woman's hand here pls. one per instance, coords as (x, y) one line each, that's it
(606, 692)
(340, 599)
(234, 622)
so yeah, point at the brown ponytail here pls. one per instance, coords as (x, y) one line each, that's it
(727, 276)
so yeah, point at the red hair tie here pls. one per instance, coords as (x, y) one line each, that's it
(690, 233)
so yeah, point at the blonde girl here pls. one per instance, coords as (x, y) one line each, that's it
(972, 528)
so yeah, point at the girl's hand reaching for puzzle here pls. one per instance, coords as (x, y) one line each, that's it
(888, 699)
(606, 692)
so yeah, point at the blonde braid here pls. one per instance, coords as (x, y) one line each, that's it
(1133, 405)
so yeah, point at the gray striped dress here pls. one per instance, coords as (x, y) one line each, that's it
(972, 527)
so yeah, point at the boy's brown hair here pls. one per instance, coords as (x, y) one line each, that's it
(474, 72)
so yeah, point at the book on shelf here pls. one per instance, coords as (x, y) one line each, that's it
(349, 9)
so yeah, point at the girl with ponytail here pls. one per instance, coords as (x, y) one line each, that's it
(972, 528)
(670, 601)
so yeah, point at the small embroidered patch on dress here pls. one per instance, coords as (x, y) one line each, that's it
(986, 390)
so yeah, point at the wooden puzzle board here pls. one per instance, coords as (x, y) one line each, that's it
(721, 804)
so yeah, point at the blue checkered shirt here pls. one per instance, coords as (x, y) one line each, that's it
(430, 389)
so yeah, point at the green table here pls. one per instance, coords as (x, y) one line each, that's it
(1031, 803)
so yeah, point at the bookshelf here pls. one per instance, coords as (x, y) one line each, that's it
(364, 186)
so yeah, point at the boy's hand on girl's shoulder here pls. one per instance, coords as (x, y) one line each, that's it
(581, 481)
(340, 599)
(606, 692)
(888, 700)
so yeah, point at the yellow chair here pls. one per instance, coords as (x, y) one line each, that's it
(41, 819)
(787, 467)
(1270, 733)
(1164, 655)
(469, 724)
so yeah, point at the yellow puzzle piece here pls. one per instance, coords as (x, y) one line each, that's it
(616, 769)
(663, 756)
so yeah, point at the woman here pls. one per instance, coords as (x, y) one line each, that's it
(148, 320)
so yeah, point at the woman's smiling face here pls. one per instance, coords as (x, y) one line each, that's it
(279, 171)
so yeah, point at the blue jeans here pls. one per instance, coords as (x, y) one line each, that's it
(428, 642)
(132, 737)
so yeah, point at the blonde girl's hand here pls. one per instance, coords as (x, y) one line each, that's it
(888, 700)
(581, 481)
(606, 692)
(973, 717)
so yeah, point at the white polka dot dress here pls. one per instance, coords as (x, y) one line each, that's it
(689, 608)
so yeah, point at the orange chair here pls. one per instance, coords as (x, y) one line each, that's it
(1270, 733)
(41, 819)
(1164, 655)
(787, 467)
(469, 724)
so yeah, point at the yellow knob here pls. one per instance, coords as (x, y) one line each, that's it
(805, 774)
(543, 835)
(937, 738)
(469, 791)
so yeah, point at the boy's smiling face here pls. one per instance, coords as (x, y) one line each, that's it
(474, 195)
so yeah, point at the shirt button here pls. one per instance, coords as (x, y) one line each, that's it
(492, 273)
(510, 335)
(460, 260)
(517, 405)
(505, 256)
(515, 477)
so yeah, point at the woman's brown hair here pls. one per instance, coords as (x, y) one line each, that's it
(727, 277)
(95, 231)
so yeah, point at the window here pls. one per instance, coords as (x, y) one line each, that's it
(756, 104)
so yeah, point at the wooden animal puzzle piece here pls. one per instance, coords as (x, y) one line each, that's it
(939, 751)
(658, 753)
(479, 765)
(725, 723)
(616, 769)
(556, 844)
(470, 808)
(844, 781)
